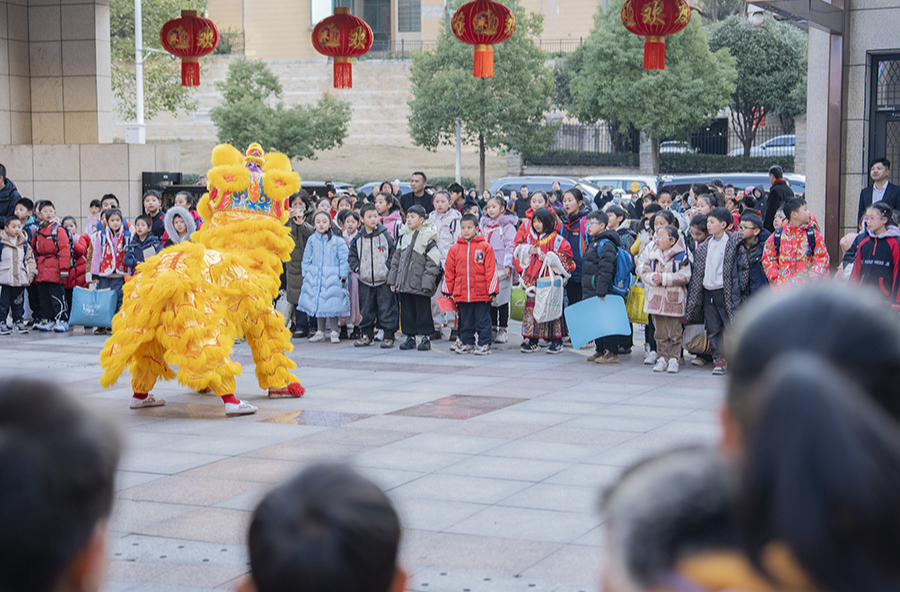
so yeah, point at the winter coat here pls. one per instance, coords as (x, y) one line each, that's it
(198, 222)
(293, 269)
(668, 299)
(447, 226)
(554, 247)
(520, 207)
(734, 281)
(878, 263)
(324, 267)
(408, 200)
(53, 257)
(17, 264)
(501, 235)
(778, 196)
(185, 215)
(370, 255)
(108, 257)
(77, 278)
(470, 272)
(9, 197)
(573, 231)
(599, 268)
(416, 263)
(751, 258)
(135, 254)
(158, 226)
(791, 265)
(525, 228)
(393, 222)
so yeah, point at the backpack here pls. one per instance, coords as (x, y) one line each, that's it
(810, 242)
(624, 277)
(54, 228)
(678, 259)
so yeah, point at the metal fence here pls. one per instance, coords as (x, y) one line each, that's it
(402, 49)
(595, 138)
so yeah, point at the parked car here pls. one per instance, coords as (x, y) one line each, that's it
(368, 188)
(777, 146)
(676, 147)
(507, 184)
(630, 183)
(681, 183)
(321, 188)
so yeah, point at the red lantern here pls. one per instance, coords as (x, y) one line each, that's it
(189, 38)
(342, 36)
(483, 23)
(654, 19)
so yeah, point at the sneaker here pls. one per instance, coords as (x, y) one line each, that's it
(698, 361)
(410, 343)
(483, 350)
(607, 358)
(45, 326)
(464, 349)
(343, 334)
(387, 344)
(336, 337)
(624, 351)
(300, 334)
(437, 335)
(379, 335)
(4, 329)
(319, 336)
(21, 327)
(720, 368)
(661, 365)
(593, 357)
(99, 331)
(239, 408)
(148, 401)
(424, 345)
(673, 366)
(456, 345)
(651, 358)
(364, 340)
(555, 348)
(529, 347)
(356, 333)
(61, 327)
(501, 337)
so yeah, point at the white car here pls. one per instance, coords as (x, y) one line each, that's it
(676, 147)
(630, 183)
(777, 146)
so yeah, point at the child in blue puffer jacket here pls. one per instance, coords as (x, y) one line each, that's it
(325, 270)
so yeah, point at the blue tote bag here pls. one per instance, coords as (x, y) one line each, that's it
(93, 308)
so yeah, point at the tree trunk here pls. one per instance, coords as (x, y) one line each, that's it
(480, 164)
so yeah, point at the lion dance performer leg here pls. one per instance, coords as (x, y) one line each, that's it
(185, 306)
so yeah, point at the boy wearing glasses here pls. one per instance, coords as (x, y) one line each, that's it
(750, 252)
(598, 273)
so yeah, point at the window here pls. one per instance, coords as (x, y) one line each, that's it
(319, 9)
(409, 16)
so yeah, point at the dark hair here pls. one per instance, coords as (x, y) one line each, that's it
(617, 211)
(882, 160)
(652, 208)
(456, 188)
(152, 192)
(57, 471)
(699, 221)
(540, 192)
(45, 203)
(666, 215)
(708, 198)
(749, 201)
(672, 231)
(752, 219)
(548, 221)
(65, 218)
(576, 193)
(651, 197)
(367, 208)
(325, 199)
(330, 222)
(107, 214)
(722, 215)
(776, 171)
(146, 219)
(346, 198)
(393, 204)
(2, 171)
(821, 475)
(469, 218)
(95, 203)
(727, 185)
(188, 196)
(700, 188)
(443, 192)
(600, 216)
(501, 201)
(9, 219)
(326, 529)
(302, 195)
(110, 196)
(526, 187)
(26, 203)
(424, 178)
(417, 210)
(383, 183)
(792, 205)
(344, 214)
(468, 207)
(885, 210)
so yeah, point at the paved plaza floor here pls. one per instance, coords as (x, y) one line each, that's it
(495, 463)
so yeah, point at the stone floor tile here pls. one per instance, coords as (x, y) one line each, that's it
(527, 524)
(497, 467)
(563, 564)
(480, 553)
(459, 488)
(303, 452)
(214, 525)
(541, 450)
(241, 468)
(557, 497)
(594, 476)
(581, 436)
(450, 443)
(165, 461)
(191, 491)
(405, 459)
(133, 515)
(433, 515)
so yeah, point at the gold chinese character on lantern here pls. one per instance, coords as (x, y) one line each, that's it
(684, 14)
(358, 38)
(510, 26)
(330, 36)
(652, 14)
(459, 24)
(486, 23)
(206, 38)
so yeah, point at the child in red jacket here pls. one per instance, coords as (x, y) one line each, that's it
(470, 277)
(52, 251)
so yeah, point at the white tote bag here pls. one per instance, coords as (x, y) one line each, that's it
(548, 295)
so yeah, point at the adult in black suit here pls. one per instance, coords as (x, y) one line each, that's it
(778, 196)
(882, 189)
(418, 196)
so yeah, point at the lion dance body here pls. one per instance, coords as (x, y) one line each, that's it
(185, 306)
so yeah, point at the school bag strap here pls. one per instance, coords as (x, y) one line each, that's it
(810, 242)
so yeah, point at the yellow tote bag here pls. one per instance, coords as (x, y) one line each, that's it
(634, 304)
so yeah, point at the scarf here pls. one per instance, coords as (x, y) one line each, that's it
(112, 252)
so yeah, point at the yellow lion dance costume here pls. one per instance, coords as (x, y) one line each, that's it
(186, 305)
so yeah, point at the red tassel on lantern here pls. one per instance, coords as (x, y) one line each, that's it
(342, 37)
(189, 38)
(654, 53)
(343, 72)
(654, 20)
(484, 61)
(483, 23)
(190, 71)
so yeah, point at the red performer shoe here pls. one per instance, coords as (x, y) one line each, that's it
(141, 400)
(293, 390)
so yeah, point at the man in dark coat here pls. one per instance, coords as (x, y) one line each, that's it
(9, 195)
(418, 196)
(778, 196)
(881, 190)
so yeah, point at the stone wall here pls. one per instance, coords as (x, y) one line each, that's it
(379, 117)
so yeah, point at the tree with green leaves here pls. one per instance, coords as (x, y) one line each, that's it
(162, 72)
(771, 72)
(612, 85)
(506, 112)
(252, 111)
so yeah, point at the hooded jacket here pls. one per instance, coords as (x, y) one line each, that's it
(370, 255)
(53, 257)
(324, 267)
(447, 227)
(185, 215)
(109, 252)
(393, 222)
(9, 197)
(293, 269)
(735, 279)
(17, 264)
(501, 235)
(470, 272)
(416, 262)
(878, 263)
(752, 259)
(791, 265)
(669, 297)
(80, 247)
(599, 269)
(573, 231)
(135, 255)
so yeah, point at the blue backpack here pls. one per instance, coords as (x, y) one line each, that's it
(624, 278)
